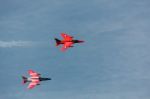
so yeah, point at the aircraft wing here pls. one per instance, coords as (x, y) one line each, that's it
(66, 37)
(33, 73)
(66, 46)
(33, 84)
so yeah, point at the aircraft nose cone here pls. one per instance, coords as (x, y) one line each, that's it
(49, 79)
(80, 41)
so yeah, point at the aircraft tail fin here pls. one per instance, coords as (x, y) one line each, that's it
(24, 79)
(57, 41)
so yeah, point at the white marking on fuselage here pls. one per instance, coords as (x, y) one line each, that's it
(32, 79)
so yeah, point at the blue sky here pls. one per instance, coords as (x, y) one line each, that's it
(113, 63)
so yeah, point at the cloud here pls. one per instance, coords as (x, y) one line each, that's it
(10, 44)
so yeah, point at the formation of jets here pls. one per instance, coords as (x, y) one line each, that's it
(35, 78)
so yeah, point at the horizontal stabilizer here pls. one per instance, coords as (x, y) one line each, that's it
(57, 41)
(24, 79)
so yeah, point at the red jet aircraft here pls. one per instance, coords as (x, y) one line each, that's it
(34, 79)
(67, 41)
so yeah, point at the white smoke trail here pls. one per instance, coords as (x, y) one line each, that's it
(10, 44)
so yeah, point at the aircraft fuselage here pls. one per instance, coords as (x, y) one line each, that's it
(73, 41)
(40, 79)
